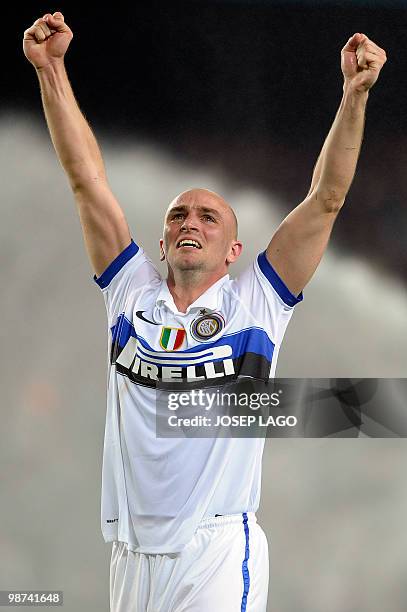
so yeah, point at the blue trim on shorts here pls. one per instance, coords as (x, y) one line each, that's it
(245, 569)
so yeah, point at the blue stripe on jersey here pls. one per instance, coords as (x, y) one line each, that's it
(117, 264)
(276, 282)
(245, 569)
(250, 340)
(122, 330)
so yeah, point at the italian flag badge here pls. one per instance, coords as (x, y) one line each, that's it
(172, 338)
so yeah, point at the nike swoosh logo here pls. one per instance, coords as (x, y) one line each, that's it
(139, 314)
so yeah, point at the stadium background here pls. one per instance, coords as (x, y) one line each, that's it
(237, 97)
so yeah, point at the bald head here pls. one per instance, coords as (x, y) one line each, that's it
(200, 236)
(207, 198)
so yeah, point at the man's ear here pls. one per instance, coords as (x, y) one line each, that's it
(235, 252)
(162, 254)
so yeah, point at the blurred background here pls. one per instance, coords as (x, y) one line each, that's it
(237, 97)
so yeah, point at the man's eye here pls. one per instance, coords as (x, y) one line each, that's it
(178, 216)
(208, 218)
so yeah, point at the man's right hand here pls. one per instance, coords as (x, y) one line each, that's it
(104, 225)
(47, 41)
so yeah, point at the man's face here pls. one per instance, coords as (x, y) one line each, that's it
(199, 233)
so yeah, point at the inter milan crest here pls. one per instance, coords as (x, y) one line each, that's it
(172, 338)
(207, 326)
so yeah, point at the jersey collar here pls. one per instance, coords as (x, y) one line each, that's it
(210, 299)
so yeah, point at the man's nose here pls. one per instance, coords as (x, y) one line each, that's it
(188, 224)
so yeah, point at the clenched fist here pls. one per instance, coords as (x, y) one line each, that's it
(361, 62)
(47, 40)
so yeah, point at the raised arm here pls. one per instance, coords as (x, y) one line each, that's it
(299, 243)
(105, 229)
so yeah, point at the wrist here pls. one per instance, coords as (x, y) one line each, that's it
(350, 89)
(50, 66)
(354, 101)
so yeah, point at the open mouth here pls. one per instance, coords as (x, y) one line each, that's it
(190, 244)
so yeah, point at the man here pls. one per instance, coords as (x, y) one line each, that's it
(181, 511)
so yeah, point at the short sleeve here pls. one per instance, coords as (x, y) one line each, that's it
(125, 276)
(267, 297)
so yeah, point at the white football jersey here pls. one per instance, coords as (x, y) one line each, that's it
(155, 491)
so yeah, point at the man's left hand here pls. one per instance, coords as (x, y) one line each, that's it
(361, 62)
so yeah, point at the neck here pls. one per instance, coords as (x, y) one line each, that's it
(187, 285)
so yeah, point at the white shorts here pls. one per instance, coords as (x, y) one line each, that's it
(224, 568)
